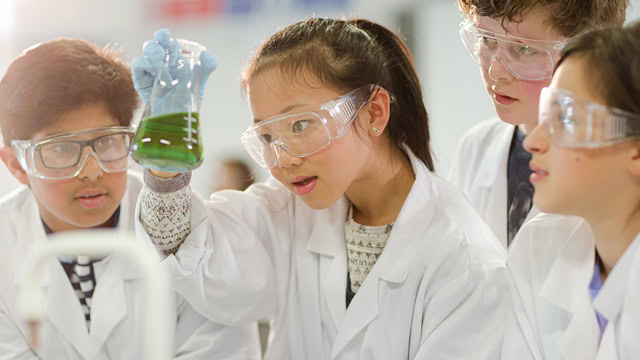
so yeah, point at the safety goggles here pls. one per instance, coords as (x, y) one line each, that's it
(526, 59)
(577, 123)
(305, 133)
(60, 156)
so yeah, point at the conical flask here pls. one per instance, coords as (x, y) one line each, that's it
(168, 137)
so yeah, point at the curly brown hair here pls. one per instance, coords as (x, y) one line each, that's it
(52, 78)
(568, 17)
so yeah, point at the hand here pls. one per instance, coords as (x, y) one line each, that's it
(160, 59)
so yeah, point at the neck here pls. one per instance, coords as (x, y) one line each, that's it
(378, 195)
(613, 235)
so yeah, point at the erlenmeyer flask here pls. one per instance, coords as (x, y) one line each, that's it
(168, 137)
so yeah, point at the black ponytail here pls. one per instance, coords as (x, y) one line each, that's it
(347, 55)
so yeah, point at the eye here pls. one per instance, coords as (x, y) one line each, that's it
(487, 41)
(300, 125)
(266, 138)
(105, 142)
(526, 51)
(62, 148)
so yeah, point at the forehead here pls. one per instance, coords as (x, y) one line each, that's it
(571, 76)
(82, 118)
(274, 92)
(535, 25)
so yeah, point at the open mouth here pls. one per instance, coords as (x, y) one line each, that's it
(304, 182)
(304, 185)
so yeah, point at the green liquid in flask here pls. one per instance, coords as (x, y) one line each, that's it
(167, 143)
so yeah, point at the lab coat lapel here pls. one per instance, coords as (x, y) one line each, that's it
(567, 287)
(64, 310)
(612, 298)
(492, 179)
(362, 310)
(327, 240)
(109, 305)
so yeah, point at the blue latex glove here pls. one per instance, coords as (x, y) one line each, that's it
(156, 63)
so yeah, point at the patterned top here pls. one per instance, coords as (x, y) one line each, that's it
(166, 210)
(364, 247)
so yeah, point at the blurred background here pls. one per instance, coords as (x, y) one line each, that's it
(232, 29)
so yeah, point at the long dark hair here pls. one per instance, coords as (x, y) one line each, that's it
(348, 54)
(613, 58)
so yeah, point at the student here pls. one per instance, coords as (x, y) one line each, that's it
(65, 112)
(353, 248)
(573, 287)
(515, 43)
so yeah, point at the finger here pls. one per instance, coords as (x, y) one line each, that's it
(154, 52)
(208, 63)
(141, 67)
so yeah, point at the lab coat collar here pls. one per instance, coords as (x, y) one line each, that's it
(611, 297)
(414, 218)
(494, 163)
(327, 240)
(575, 261)
(567, 287)
(327, 234)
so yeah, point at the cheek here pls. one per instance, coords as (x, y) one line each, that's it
(53, 194)
(117, 183)
(531, 91)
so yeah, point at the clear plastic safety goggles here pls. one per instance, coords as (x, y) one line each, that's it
(577, 123)
(305, 133)
(526, 59)
(60, 156)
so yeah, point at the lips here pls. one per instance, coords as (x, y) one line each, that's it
(304, 184)
(92, 199)
(502, 98)
(537, 174)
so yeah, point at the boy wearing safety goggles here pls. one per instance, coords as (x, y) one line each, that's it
(516, 44)
(576, 279)
(65, 112)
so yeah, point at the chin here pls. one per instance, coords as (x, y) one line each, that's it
(318, 204)
(509, 117)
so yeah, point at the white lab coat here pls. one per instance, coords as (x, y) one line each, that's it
(118, 311)
(438, 290)
(550, 266)
(479, 169)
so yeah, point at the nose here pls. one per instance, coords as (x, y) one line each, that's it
(91, 170)
(498, 70)
(537, 142)
(283, 158)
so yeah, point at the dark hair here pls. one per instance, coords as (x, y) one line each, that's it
(348, 54)
(568, 17)
(613, 63)
(55, 77)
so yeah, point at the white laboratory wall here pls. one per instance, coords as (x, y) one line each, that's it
(454, 94)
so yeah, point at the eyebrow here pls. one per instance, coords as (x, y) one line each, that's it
(284, 110)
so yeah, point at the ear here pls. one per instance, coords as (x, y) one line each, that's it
(379, 110)
(12, 164)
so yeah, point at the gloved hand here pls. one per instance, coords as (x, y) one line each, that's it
(161, 59)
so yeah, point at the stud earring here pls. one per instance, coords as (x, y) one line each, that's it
(375, 130)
